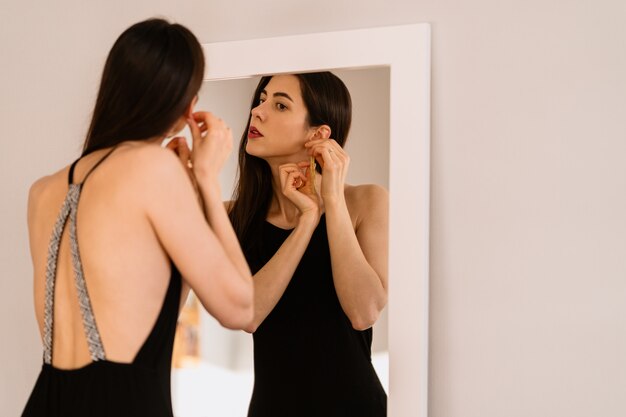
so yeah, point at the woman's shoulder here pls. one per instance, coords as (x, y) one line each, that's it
(48, 185)
(147, 174)
(366, 201)
(365, 194)
(146, 159)
(127, 165)
(135, 167)
(46, 194)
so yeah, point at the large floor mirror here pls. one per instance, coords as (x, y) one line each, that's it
(387, 71)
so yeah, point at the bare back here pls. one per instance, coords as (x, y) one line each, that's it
(125, 267)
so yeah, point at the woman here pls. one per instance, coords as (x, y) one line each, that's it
(108, 312)
(317, 248)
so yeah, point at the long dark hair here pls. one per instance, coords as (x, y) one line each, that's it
(151, 75)
(328, 102)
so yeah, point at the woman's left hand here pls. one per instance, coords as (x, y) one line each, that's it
(334, 162)
(179, 146)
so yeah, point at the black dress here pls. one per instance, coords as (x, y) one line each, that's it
(103, 388)
(308, 360)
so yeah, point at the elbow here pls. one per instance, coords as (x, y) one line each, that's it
(251, 327)
(239, 320)
(364, 321)
(245, 311)
(361, 324)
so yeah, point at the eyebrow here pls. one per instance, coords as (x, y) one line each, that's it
(279, 94)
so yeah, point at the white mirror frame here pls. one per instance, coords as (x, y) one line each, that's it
(406, 51)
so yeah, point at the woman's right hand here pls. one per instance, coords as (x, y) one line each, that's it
(295, 186)
(212, 143)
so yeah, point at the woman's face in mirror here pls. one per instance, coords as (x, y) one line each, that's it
(278, 123)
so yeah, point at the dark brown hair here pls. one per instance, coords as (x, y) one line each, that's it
(151, 75)
(328, 102)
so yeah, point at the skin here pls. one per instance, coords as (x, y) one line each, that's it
(137, 211)
(356, 216)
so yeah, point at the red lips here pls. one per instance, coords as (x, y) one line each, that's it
(254, 133)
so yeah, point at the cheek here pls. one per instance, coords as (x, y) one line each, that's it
(295, 143)
(299, 133)
(298, 137)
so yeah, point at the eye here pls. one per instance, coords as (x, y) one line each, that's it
(281, 106)
(261, 100)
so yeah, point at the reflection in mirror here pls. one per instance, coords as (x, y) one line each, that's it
(213, 372)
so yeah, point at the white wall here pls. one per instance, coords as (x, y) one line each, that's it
(528, 176)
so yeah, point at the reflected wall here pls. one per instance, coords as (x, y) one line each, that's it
(226, 355)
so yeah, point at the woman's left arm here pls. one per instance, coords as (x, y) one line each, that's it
(359, 257)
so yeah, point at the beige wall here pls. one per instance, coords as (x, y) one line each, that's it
(528, 176)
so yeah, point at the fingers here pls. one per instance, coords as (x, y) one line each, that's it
(291, 177)
(327, 142)
(327, 151)
(196, 133)
(179, 146)
(327, 162)
(183, 152)
(293, 181)
(327, 157)
(294, 186)
(304, 166)
(198, 125)
(172, 145)
(212, 140)
(207, 120)
(201, 122)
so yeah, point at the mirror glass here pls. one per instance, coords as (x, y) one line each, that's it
(405, 51)
(213, 366)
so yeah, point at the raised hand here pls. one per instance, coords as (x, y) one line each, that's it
(179, 146)
(212, 143)
(295, 182)
(334, 162)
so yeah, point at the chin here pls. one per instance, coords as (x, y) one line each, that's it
(253, 151)
(250, 149)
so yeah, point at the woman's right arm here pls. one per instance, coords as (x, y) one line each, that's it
(212, 143)
(224, 288)
(271, 281)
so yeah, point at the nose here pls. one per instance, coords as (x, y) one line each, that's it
(258, 112)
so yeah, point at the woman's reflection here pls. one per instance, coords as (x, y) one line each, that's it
(318, 251)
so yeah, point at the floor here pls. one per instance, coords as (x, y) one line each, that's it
(207, 390)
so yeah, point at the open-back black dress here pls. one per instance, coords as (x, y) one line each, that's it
(103, 388)
(308, 360)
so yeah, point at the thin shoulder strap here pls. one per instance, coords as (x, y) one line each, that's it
(70, 176)
(69, 210)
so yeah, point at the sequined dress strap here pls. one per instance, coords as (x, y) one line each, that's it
(69, 210)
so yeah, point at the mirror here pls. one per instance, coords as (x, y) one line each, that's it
(398, 58)
(224, 357)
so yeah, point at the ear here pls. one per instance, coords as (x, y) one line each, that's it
(322, 132)
(182, 120)
(189, 109)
